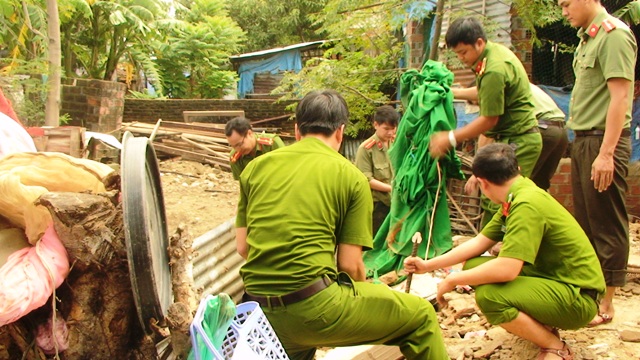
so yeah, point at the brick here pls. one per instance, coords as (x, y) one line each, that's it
(565, 166)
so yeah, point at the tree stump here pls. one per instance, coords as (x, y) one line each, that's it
(96, 300)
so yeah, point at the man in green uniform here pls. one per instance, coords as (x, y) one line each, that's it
(246, 145)
(554, 137)
(373, 160)
(504, 97)
(547, 274)
(304, 217)
(600, 117)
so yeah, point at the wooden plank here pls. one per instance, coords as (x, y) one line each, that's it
(65, 139)
(195, 126)
(183, 145)
(169, 128)
(188, 114)
(193, 156)
(202, 147)
(281, 117)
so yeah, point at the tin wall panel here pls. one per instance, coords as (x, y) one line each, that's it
(216, 268)
(497, 10)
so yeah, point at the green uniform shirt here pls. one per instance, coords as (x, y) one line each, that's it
(503, 91)
(298, 203)
(264, 144)
(607, 50)
(373, 160)
(545, 107)
(543, 234)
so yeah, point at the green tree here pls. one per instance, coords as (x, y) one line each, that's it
(23, 57)
(362, 63)
(276, 23)
(52, 107)
(193, 60)
(98, 35)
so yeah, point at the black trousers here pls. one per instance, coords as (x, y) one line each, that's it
(554, 144)
(380, 211)
(603, 215)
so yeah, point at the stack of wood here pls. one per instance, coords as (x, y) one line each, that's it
(201, 142)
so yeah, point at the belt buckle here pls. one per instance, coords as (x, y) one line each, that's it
(270, 298)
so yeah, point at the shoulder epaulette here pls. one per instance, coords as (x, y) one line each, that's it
(608, 25)
(265, 141)
(481, 66)
(235, 157)
(369, 143)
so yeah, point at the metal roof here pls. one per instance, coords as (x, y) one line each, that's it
(264, 53)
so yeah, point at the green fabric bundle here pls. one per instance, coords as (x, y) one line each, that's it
(428, 103)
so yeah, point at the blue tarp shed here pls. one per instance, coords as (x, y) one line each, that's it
(562, 99)
(272, 61)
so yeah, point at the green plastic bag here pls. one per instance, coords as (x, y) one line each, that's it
(218, 314)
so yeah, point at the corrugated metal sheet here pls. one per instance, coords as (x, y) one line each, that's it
(216, 268)
(499, 11)
(349, 148)
(263, 53)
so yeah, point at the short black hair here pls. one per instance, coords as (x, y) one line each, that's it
(465, 30)
(240, 124)
(386, 114)
(496, 163)
(321, 112)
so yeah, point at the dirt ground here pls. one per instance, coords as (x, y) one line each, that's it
(203, 197)
(199, 196)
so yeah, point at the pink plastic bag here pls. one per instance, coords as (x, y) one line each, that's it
(30, 275)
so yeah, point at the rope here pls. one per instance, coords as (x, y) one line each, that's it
(433, 212)
(53, 299)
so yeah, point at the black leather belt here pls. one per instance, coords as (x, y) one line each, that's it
(290, 298)
(533, 130)
(558, 123)
(625, 132)
(591, 293)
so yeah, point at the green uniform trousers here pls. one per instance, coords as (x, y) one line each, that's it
(528, 148)
(354, 313)
(550, 302)
(603, 215)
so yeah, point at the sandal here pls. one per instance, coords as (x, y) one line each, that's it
(606, 318)
(565, 353)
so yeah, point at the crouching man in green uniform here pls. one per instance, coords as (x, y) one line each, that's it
(304, 217)
(247, 145)
(547, 274)
(373, 160)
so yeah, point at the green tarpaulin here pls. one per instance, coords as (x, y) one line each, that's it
(428, 103)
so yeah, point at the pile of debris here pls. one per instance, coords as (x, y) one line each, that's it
(201, 142)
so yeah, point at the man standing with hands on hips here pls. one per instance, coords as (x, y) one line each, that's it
(600, 116)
